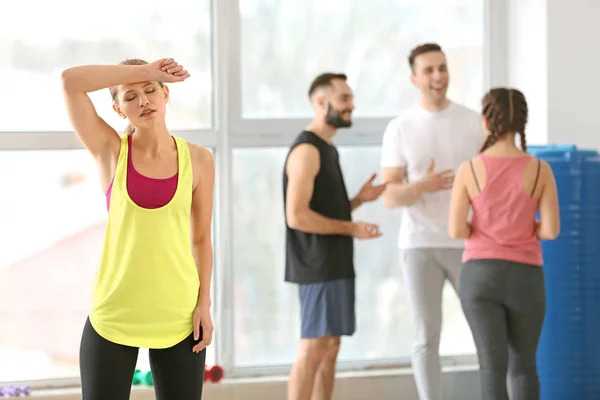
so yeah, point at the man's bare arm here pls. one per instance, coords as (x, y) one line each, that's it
(302, 167)
(399, 193)
(355, 203)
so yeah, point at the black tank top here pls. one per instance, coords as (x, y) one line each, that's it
(318, 258)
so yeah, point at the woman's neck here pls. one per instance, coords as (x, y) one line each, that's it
(152, 142)
(504, 147)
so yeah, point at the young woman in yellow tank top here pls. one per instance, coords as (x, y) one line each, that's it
(152, 287)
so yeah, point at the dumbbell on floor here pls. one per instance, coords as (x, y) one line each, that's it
(142, 378)
(214, 373)
(15, 391)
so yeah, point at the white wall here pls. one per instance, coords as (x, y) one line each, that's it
(573, 62)
(552, 57)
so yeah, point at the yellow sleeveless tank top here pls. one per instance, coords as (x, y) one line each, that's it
(146, 286)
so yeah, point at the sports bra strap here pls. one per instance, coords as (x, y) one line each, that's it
(475, 176)
(537, 177)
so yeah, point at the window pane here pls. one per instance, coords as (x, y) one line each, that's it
(53, 220)
(286, 43)
(33, 55)
(266, 308)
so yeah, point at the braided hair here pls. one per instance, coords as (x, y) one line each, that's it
(506, 111)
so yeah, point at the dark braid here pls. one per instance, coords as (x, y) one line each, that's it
(506, 112)
(523, 141)
(489, 141)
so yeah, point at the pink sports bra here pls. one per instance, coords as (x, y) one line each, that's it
(144, 191)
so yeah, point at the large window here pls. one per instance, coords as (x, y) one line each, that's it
(266, 327)
(36, 46)
(286, 43)
(53, 218)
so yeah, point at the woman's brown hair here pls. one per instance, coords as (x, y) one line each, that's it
(506, 112)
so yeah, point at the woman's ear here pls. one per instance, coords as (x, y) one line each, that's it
(166, 91)
(118, 111)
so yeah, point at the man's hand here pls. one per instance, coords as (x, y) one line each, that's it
(369, 192)
(436, 181)
(365, 230)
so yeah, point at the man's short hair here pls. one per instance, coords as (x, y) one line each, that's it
(324, 80)
(422, 49)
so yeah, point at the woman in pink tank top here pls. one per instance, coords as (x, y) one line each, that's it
(501, 286)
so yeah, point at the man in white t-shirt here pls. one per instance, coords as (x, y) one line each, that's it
(421, 151)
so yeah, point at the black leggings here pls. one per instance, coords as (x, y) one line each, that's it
(107, 369)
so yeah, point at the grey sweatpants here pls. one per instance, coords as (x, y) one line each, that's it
(424, 272)
(505, 305)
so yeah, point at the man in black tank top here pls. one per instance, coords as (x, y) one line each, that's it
(319, 238)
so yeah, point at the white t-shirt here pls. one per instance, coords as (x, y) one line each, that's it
(450, 136)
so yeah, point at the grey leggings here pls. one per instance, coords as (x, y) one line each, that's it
(505, 304)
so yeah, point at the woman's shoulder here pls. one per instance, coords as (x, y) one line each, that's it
(469, 164)
(201, 159)
(200, 154)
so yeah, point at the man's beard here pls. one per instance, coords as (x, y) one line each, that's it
(334, 118)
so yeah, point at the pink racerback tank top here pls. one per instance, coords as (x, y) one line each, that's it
(504, 215)
(144, 191)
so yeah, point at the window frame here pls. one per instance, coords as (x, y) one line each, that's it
(229, 131)
(65, 140)
(494, 45)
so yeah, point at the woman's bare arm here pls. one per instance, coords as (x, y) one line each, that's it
(458, 224)
(99, 138)
(548, 226)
